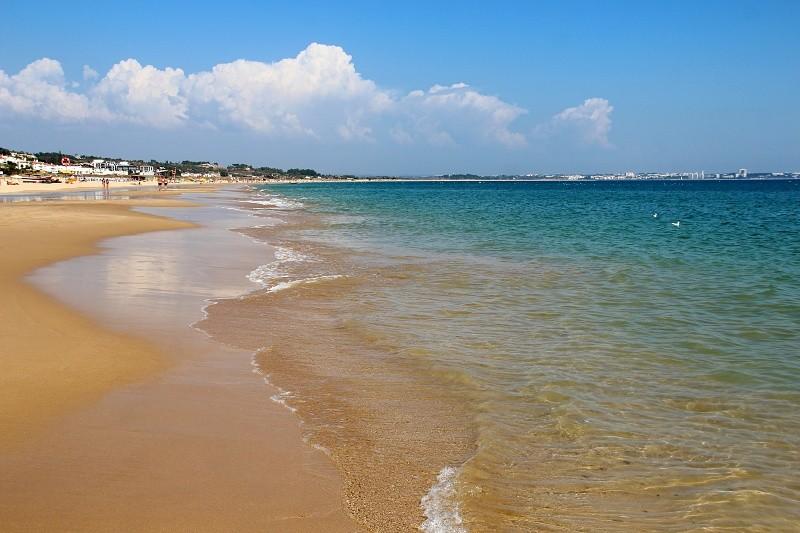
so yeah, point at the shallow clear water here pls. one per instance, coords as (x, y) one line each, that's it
(590, 366)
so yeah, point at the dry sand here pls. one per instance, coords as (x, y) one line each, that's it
(104, 431)
(130, 188)
(29, 188)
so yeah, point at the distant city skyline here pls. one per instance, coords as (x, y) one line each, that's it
(58, 164)
(412, 89)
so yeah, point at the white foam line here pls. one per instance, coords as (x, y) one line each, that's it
(208, 302)
(267, 273)
(283, 285)
(275, 202)
(248, 212)
(440, 506)
(273, 222)
(281, 398)
(282, 395)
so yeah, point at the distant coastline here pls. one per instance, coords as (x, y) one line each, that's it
(18, 166)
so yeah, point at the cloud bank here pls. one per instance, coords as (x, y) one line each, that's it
(317, 94)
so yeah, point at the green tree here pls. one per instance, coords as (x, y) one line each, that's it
(10, 168)
(302, 172)
(51, 158)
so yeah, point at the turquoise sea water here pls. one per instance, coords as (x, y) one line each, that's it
(617, 371)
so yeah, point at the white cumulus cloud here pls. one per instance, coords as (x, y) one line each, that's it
(318, 94)
(592, 119)
(443, 112)
(89, 73)
(146, 95)
(39, 90)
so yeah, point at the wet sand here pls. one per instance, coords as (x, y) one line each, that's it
(55, 359)
(120, 416)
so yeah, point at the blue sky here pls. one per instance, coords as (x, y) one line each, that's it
(409, 87)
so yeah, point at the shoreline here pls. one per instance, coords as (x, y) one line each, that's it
(189, 439)
(392, 431)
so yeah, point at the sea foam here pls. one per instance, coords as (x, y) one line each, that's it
(282, 395)
(276, 202)
(289, 284)
(440, 505)
(265, 274)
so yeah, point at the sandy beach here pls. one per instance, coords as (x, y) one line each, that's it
(21, 187)
(115, 414)
(53, 358)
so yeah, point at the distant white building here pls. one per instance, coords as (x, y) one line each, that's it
(742, 173)
(19, 160)
(102, 165)
(59, 169)
(126, 168)
(44, 167)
